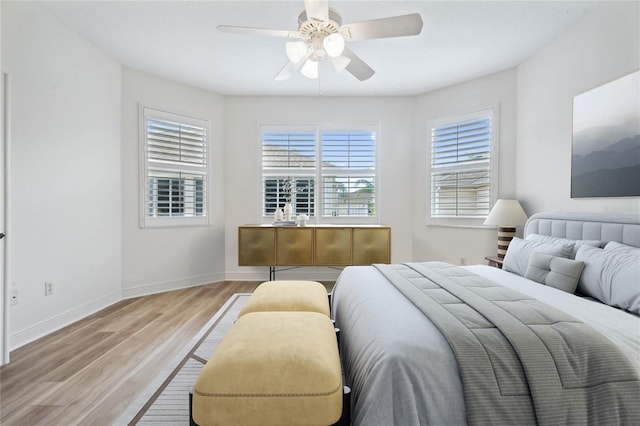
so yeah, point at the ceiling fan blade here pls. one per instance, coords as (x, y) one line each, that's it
(340, 63)
(287, 72)
(357, 66)
(317, 10)
(394, 26)
(291, 68)
(258, 31)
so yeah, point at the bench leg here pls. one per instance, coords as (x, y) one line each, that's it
(191, 421)
(345, 419)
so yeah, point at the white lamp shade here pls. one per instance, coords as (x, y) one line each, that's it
(296, 50)
(310, 69)
(333, 44)
(506, 213)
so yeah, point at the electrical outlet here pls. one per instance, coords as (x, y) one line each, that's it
(48, 288)
(13, 297)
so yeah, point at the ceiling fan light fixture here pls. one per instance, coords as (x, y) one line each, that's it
(296, 50)
(310, 69)
(333, 44)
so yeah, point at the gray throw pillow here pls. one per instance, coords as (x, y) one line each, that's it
(517, 258)
(553, 271)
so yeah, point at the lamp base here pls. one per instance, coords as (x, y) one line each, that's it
(505, 235)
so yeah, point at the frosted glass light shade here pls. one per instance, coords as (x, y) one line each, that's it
(296, 50)
(506, 213)
(310, 69)
(333, 44)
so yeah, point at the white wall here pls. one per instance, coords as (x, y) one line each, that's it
(65, 203)
(244, 115)
(156, 259)
(600, 48)
(448, 243)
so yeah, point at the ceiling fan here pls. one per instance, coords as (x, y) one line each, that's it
(321, 34)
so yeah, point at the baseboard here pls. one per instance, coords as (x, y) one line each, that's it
(50, 325)
(161, 287)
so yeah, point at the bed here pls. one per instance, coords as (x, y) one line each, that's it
(403, 370)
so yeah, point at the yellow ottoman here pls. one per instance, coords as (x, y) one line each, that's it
(304, 296)
(272, 368)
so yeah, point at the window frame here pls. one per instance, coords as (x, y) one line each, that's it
(146, 221)
(462, 221)
(318, 172)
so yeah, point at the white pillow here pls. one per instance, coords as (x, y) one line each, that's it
(611, 276)
(558, 240)
(553, 271)
(614, 245)
(517, 258)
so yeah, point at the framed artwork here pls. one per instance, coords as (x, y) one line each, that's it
(605, 155)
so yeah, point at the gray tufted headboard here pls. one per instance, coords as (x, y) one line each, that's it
(623, 228)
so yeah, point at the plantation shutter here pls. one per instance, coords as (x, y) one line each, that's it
(175, 165)
(324, 174)
(288, 150)
(461, 169)
(348, 174)
(176, 143)
(288, 156)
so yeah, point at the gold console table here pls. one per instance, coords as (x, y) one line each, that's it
(319, 245)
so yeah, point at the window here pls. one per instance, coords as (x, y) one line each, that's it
(174, 169)
(326, 175)
(462, 183)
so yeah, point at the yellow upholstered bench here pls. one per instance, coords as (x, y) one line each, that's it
(303, 296)
(272, 368)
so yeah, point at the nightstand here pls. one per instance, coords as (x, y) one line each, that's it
(495, 261)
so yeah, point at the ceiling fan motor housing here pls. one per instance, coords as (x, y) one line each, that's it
(315, 31)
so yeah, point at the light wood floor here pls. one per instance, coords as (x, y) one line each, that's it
(90, 371)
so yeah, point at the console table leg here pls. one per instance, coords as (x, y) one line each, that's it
(272, 273)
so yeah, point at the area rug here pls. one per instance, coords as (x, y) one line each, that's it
(166, 399)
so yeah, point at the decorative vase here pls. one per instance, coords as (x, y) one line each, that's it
(278, 214)
(288, 210)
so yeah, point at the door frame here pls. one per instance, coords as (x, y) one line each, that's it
(4, 214)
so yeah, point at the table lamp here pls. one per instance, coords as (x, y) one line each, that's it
(506, 215)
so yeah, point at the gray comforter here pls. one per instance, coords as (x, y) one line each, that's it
(417, 380)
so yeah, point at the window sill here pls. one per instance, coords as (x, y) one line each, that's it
(465, 226)
(173, 222)
(472, 223)
(337, 221)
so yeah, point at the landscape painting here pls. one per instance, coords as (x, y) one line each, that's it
(605, 159)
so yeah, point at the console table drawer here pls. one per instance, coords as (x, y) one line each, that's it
(294, 246)
(333, 246)
(371, 245)
(256, 246)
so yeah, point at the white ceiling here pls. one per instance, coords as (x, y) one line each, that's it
(460, 40)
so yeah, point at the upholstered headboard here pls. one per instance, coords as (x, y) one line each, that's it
(623, 228)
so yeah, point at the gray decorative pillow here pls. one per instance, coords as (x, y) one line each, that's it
(553, 271)
(517, 258)
(611, 276)
(558, 240)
